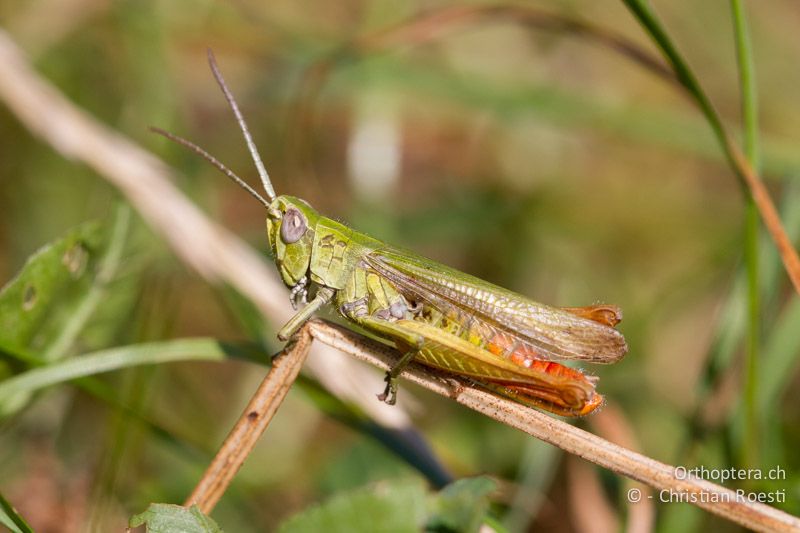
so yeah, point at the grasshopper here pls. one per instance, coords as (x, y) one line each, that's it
(434, 314)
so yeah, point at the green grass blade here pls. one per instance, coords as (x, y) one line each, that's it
(776, 365)
(114, 359)
(747, 85)
(10, 518)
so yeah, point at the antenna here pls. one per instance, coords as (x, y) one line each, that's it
(251, 146)
(211, 159)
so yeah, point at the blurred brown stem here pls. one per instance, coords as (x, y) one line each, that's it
(432, 24)
(254, 420)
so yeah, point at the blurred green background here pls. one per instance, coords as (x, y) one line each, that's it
(535, 159)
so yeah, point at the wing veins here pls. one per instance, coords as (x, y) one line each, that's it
(565, 342)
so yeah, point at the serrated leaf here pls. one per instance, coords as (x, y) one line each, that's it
(460, 506)
(397, 506)
(42, 295)
(169, 518)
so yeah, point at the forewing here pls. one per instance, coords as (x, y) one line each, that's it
(548, 332)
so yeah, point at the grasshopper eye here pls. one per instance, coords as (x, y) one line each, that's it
(294, 226)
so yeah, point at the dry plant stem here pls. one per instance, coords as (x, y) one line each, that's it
(569, 438)
(215, 253)
(254, 420)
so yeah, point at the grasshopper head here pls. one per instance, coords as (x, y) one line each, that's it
(290, 230)
(290, 220)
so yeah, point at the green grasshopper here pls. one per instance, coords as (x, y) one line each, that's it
(434, 314)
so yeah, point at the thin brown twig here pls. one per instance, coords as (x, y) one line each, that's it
(221, 256)
(254, 420)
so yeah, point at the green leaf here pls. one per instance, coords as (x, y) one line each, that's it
(461, 506)
(117, 358)
(168, 518)
(46, 291)
(398, 506)
(10, 518)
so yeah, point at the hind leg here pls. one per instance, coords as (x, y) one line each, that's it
(405, 340)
